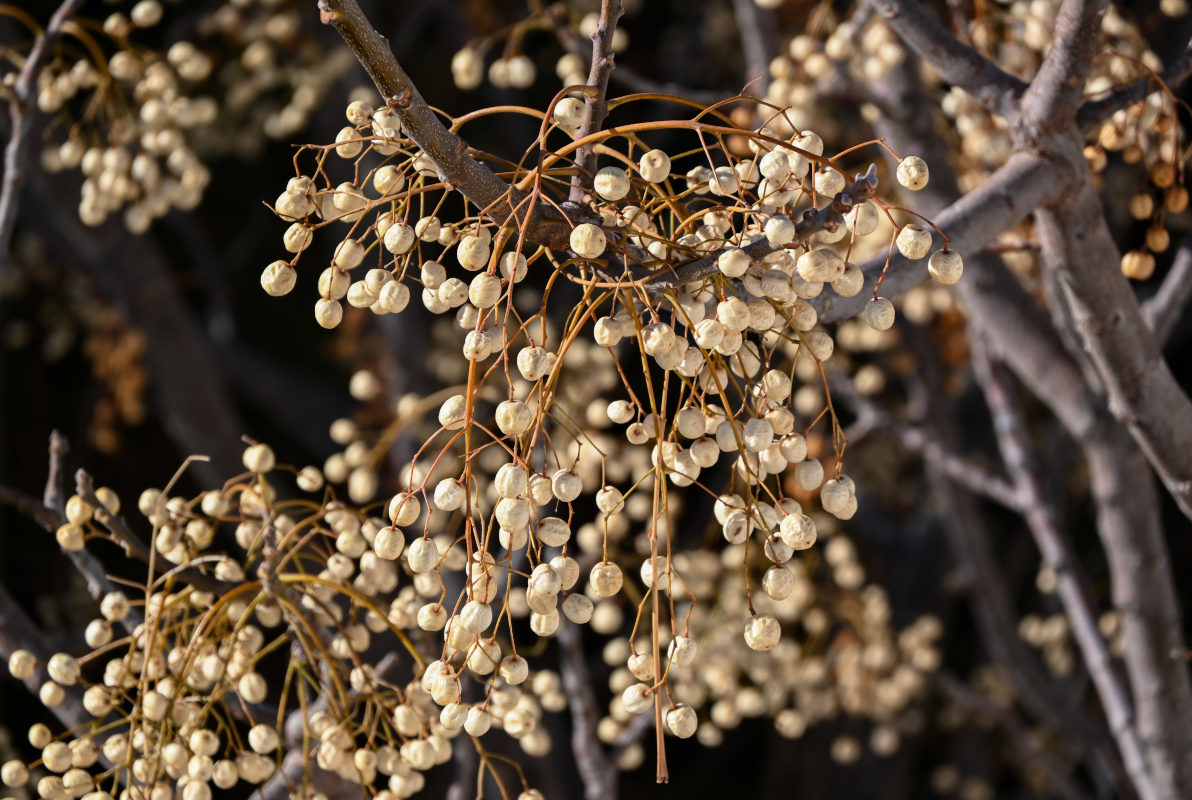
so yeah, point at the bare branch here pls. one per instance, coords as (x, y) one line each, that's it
(1143, 394)
(18, 632)
(972, 476)
(753, 24)
(1058, 554)
(1144, 595)
(991, 601)
(22, 109)
(598, 775)
(31, 507)
(448, 152)
(1051, 102)
(1094, 112)
(1163, 310)
(596, 101)
(958, 64)
(1021, 185)
(133, 545)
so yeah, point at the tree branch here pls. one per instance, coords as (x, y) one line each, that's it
(1051, 102)
(1021, 185)
(22, 108)
(1143, 394)
(480, 185)
(598, 774)
(958, 64)
(1057, 554)
(596, 101)
(1094, 112)
(1163, 310)
(921, 441)
(813, 220)
(753, 25)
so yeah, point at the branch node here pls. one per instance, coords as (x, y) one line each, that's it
(401, 99)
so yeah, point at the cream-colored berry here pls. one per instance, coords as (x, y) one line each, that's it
(278, 278)
(879, 314)
(328, 313)
(945, 266)
(587, 240)
(514, 417)
(399, 239)
(863, 219)
(422, 555)
(452, 412)
(484, 290)
(734, 262)
(566, 485)
(259, 458)
(1138, 265)
(913, 241)
(762, 632)
(821, 265)
(22, 664)
(348, 254)
(611, 183)
(912, 173)
(605, 579)
(388, 543)
(682, 721)
(654, 166)
(569, 112)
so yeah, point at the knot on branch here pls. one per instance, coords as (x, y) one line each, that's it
(401, 99)
(327, 14)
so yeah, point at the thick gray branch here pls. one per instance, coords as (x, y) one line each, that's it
(1054, 95)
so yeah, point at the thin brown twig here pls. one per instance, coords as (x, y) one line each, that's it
(132, 544)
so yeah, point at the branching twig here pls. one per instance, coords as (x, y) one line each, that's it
(1051, 102)
(972, 476)
(596, 101)
(1142, 392)
(22, 108)
(814, 220)
(448, 152)
(1021, 185)
(1163, 310)
(1094, 112)
(132, 544)
(1057, 553)
(958, 64)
